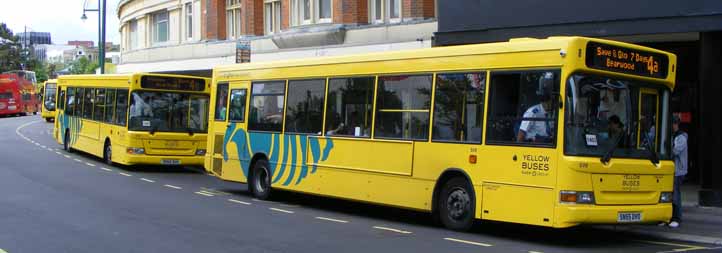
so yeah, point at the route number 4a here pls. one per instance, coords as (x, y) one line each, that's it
(652, 66)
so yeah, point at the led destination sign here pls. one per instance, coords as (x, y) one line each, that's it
(625, 60)
(172, 83)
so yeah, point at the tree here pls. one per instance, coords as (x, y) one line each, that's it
(83, 66)
(10, 50)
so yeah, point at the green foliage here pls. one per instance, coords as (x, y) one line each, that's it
(10, 50)
(83, 66)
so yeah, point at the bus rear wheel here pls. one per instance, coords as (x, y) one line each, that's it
(260, 181)
(456, 204)
(108, 154)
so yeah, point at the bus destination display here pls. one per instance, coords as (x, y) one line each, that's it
(625, 60)
(172, 83)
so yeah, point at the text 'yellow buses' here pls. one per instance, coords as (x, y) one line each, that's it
(545, 132)
(135, 118)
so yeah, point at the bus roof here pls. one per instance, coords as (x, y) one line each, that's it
(569, 43)
(127, 76)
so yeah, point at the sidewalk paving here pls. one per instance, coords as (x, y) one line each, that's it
(699, 224)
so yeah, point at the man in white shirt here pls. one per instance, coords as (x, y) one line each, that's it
(537, 126)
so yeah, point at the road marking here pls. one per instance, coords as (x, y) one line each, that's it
(67, 156)
(288, 205)
(330, 219)
(239, 202)
(78, 160)
(90, 164)
(531, 251)
(172, 186)
(58, 153)
(50, 149)
(3, 251)
(280, 210)
(147, 180)
(393, 230)
(204, 194)
(207, 192)
(685, 247)
(105, 169)
(125, 174)
(43, 146)
(57, 149)
(470, 242)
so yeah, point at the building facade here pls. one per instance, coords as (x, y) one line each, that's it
(35, 38)
(193, 36)
(691, 29)
(81, 43)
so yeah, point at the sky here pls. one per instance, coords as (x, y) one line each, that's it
(61, 18)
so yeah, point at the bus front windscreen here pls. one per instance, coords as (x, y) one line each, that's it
(155, 111)
(616, 118)
(49, 100)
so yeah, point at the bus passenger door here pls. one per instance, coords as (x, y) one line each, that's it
(219, 122)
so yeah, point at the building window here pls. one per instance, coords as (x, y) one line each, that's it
(272, 16)
(189, 20)
(384, 11)
(233, 19)
(160, 27)
(133, 35)
(304, 12)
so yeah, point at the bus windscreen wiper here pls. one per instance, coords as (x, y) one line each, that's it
(153, 129)
(189, 130)
(653, 157)
(608, 155)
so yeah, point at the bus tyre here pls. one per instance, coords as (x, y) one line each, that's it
(260, 182)
(108, 154)
(456, 204)
(66, 141)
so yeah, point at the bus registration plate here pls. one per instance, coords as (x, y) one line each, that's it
(629, 217)
(170, 162)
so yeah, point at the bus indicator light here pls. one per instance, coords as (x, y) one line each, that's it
(472, 159)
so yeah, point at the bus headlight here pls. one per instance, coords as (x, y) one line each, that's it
(136, 151)
(576, 197)
(665, 197)
(200, 151)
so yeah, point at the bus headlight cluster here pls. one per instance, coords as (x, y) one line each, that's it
(200, 151)
(136, 151)
(665, 197)
(576, 197)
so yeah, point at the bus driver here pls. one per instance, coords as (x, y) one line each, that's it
(537, 125)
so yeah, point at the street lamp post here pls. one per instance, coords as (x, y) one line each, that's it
(101, 31)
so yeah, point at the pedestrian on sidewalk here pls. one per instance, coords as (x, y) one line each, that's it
(679, 153)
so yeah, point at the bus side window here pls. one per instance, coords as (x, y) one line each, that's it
(459, 107)
(221, 102)
(304, 106)
(71, 102)
(99, 112)
(61, 100)
(402, 107)
(238, 105)
(109, 105)
(266, 112)
(121, 107)
(522, 107)
(88, 103)
(350, 106)
(79, 98)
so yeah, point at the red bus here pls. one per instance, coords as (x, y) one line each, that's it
(17, 95)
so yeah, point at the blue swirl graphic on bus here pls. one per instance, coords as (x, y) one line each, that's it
(71, 124)
(281, 158)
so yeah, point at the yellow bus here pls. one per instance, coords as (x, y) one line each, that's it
(48, 92)
(134, 118)
(552, 132)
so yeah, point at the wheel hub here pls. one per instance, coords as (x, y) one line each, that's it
(458, 203)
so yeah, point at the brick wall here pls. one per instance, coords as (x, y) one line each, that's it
(285, 14)
(417, 8)
(215, 20)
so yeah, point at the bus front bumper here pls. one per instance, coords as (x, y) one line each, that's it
(572, 215)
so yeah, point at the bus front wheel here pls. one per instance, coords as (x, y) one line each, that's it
(456, 204)
(260, 181)
(66, 141)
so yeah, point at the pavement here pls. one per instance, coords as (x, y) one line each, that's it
(699, 224)
(55, 201)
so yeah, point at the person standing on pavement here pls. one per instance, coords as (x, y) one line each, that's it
(679, 153)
